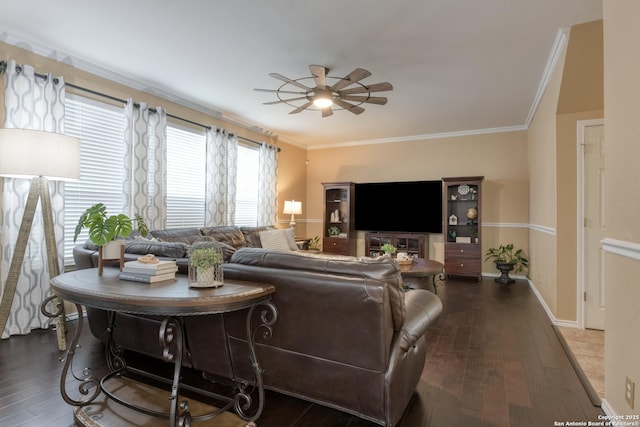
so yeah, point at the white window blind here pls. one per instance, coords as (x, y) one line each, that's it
(247, 187)
(100, 128)
(186, 156)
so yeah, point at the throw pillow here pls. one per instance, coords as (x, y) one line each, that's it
(274, 240)
(291, 239)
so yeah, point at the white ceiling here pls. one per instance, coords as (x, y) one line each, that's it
(457, 66)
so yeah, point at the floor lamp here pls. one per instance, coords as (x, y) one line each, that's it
(39, 156)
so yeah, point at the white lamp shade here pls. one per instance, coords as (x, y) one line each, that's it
(292, 207)
(25, 153)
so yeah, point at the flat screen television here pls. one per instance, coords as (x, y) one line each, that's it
(410, 206)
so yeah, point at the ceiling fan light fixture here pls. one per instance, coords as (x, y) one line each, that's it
(323, 100)
(328, 93)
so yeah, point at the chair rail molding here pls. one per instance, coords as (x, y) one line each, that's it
(621, 247)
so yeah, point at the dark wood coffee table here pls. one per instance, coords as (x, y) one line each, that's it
(417, 275)
(172, 299)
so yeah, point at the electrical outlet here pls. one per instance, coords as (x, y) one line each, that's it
(629, 391)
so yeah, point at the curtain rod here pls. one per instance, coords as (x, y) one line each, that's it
(3, 67)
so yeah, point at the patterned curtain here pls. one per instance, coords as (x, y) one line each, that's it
(31, 102)
(267, 185)
(145, 163)
(222, 172)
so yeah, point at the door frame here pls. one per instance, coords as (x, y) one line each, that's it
(581, 128)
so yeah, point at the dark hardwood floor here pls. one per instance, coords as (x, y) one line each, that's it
(493, 360)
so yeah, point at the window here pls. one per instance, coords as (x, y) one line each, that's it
(186, 157)
(100, 128)
(247, 187)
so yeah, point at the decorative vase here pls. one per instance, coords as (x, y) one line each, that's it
(505, 268)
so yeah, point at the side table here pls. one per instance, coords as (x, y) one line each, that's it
(417, 274)
(172, 299)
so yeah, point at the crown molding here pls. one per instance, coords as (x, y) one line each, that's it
(557, 50)
(428, 136)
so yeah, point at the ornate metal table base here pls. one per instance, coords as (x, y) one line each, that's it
(172, 340)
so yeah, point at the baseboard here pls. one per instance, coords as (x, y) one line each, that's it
(550, 315)
(608, 410)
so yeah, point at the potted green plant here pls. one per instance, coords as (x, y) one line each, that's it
(205, 268)
(507, 259)
(388, 249)
(104, 228)
(314, 243)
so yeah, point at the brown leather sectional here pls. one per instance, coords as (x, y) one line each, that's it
(348, 336)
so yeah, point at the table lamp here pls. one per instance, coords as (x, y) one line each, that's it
(39, 156)
(293, 208)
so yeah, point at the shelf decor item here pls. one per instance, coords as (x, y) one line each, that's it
(472, 213)
(206, 268)
(507, 259)
(333, 231)
(107, 232)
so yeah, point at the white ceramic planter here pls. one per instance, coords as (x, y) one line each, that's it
(112, 249)
(210, 277)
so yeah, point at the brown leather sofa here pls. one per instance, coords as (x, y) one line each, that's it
(347, 336)
(175, 243)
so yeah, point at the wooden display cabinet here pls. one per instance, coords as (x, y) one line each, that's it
(412, 244)
(339, 235)
(462, 217)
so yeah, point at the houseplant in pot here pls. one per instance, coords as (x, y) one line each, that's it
(388, 249)
(107, 231)
(314, 243)
(507, 259)
(205, 268)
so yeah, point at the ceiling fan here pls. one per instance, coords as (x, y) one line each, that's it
(327, 92)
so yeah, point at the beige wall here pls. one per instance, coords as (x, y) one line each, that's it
(574, 93)
(581, 98)
(292, 185)
(622, 133)
(541, 138)
(500, 158)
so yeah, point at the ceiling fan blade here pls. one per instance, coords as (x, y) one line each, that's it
(319, 74)
(353, 108)
(301, 108)
(326, 112)
(288, 80)
(351, 78)
(380, 100)
(280, 91)
(280, 101)
(377, 87)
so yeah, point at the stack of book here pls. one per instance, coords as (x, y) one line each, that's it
(149, 273)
